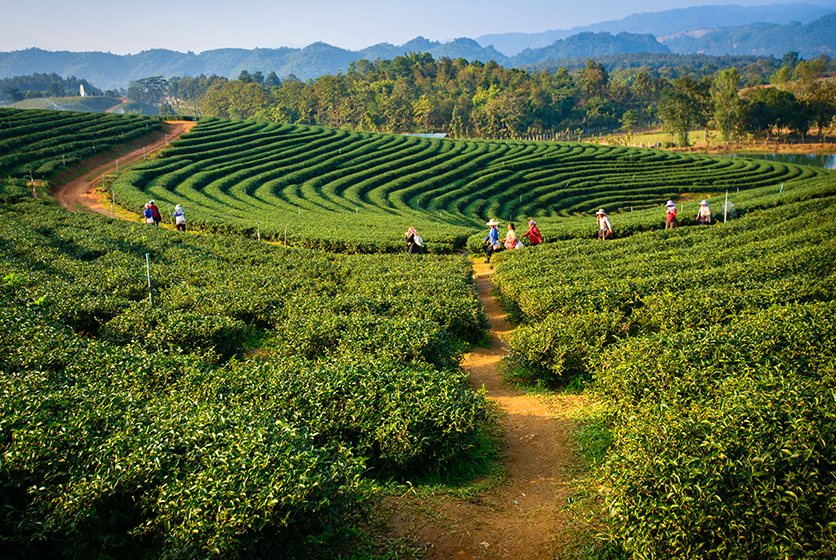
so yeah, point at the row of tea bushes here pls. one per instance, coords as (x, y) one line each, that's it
(713, 349)
(42, 141)
(246, 413)
(347, 191)
(726, 438)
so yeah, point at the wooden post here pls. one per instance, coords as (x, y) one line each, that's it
(726, 207)
(148, 274)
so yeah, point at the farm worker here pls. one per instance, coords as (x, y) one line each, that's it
(156, 212)
(179, 218)
(414, 242)
(604, 227)
(511, 240)
(533, 234)
(148, 214)
(671, 215)
(704, 214)
(492, 239)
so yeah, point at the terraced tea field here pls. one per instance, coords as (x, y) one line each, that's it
(41, 142)
(358, 192)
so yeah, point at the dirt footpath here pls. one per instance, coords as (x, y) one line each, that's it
(524, 517)
(80, 193)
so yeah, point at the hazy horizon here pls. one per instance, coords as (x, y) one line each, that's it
(197, 26)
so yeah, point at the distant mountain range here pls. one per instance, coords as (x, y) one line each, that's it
(715, 30)
(109, 71)
(667, 23)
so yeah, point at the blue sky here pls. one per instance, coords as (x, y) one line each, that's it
(199, 25)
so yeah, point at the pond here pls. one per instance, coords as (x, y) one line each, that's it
(828, 161)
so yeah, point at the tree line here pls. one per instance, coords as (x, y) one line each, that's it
(796, 100)
(37, 85)
(415, 93)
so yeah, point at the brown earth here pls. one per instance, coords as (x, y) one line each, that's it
(75, 192)
(524, 516)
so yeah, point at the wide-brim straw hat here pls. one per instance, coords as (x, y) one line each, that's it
(492, 222)
(670, 203)
(601, 212)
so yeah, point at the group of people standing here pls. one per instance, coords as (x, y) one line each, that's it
(152, 215)
(511, 241)
(703, 218)
(493, 242)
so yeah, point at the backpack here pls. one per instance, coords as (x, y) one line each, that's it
(417, 240)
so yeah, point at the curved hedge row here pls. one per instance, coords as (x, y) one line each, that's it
(44, 141)
(353, 191)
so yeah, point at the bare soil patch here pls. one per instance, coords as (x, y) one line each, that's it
(525, 516)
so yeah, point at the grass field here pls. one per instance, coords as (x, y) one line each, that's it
(90, 104)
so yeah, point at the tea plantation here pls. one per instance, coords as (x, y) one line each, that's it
(714, 348)
(170, 395)
(244, 413)
(38, 143)
(358, 192)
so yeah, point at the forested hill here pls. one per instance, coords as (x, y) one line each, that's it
(110, 71)
(809, 40)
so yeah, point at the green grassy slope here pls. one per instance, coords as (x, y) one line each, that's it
(88, 104)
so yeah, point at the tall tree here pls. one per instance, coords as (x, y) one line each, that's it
(685, 105)
(725, 97)
(770, 107)
(150, 90)
(593, 79)
(820, 97)
(14, 95)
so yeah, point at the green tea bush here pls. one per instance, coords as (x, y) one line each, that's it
(101, 464)
(744, 473)
(168, 431)
(712, 349)
(559, 349)
(181, 331)
(398, 339)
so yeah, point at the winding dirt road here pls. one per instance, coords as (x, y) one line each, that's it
(524, 517)
(80, 193)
